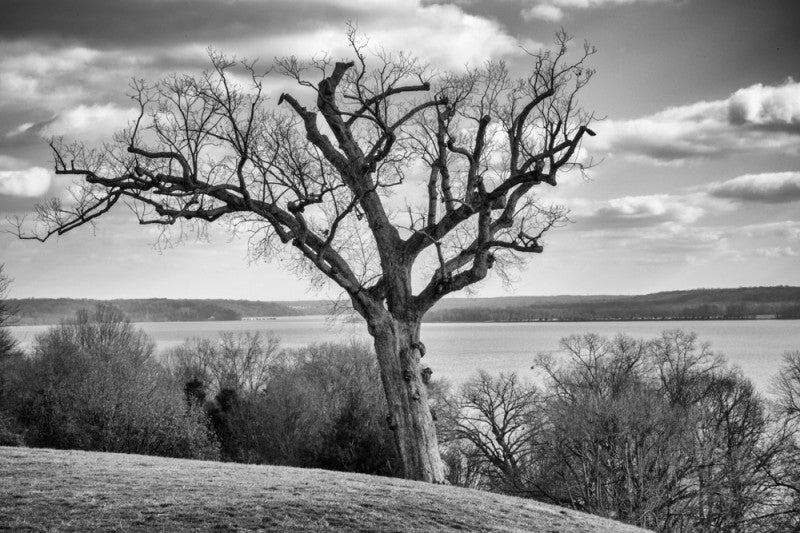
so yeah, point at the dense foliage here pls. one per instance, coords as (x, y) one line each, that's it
(320, 406)
(92, 383)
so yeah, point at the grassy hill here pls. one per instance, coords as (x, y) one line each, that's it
(45, 490)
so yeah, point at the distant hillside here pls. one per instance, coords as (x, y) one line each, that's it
(53, 310)
(522, 301)
(57, 490)
(309, 307)
(697, 304)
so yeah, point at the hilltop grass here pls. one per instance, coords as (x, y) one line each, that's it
(55, 490)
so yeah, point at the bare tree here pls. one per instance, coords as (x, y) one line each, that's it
(318, 175)
(498, 417)
(8, 345)
(240, 362)
(784, 473)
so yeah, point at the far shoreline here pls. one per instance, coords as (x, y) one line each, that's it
(424, 321)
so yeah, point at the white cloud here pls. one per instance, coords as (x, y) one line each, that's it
(584, 4)
(90, 123)
(665, 243)
(638, 211)
(772, 107)
(754, 119)
(782, 230)
(446, 36)
(668, 242)
(553, 10)
(19, 130)
(442, 35)
(543, 12)
(48, 79)
(777, 187)
(42, 76)
(777, 251)
(29, 183)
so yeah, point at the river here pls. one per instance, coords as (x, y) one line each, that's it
(457, 350)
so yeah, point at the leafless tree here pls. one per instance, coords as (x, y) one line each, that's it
(316, 173)
(240, 362)
(784, 474)
(498, 417)
(8, 345)
(661, 434)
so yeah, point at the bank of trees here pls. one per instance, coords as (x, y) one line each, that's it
(94, 383)
(615, 311)
(659, 433)
(321, 406)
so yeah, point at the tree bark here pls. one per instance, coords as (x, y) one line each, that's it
(399, 352)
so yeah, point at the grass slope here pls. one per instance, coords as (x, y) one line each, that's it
(46, 490)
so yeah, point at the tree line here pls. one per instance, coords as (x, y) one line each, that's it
(52, 310)
(659, 433)
(621, 310)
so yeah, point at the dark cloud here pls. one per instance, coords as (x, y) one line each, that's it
(639, 211)
(145, 23)
(775, 188)
(783, 230)
(28, 144)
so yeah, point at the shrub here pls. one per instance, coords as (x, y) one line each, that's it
(320, 407)
(239, 362)
(92, 383)
(10, 358)
(337, 415)
(10, 434)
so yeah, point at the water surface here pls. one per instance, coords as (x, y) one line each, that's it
(458, 350)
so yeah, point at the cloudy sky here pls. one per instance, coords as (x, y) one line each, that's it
(699, 184)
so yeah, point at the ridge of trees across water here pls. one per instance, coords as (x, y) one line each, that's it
(698, 304)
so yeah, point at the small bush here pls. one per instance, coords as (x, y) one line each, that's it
(10, 435)
(92, 383)
(321, 406)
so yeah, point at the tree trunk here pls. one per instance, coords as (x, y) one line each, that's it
(399, 352)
